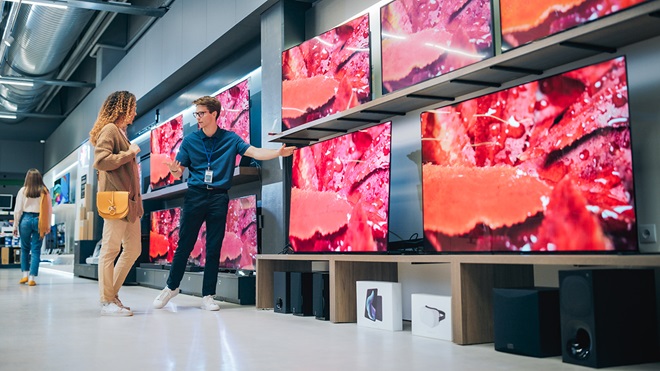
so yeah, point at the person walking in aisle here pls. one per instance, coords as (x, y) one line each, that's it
(32, 214)
(209, 154)
(114, 158)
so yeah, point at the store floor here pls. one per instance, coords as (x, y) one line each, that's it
(56, 326)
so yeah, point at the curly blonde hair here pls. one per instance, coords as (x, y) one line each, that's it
(116, 106)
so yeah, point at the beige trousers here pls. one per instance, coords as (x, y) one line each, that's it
(117, 234)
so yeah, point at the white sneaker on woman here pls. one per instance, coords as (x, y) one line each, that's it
(112, 309)
(165, 296)
(209, 304)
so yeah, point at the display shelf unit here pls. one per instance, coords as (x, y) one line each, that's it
(242, 175)
(229, 287)
(82, 250)
(604, 35)
(473, 278)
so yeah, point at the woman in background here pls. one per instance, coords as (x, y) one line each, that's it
(114, 158)
(32, 222)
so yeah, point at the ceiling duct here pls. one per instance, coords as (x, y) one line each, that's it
(43, 38)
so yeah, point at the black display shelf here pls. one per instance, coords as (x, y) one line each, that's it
(242, 175)
(604, 35)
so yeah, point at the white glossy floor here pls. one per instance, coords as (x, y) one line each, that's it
(56, 326)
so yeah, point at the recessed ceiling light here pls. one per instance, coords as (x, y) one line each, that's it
(42, 141)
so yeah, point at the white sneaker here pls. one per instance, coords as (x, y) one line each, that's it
(165, 297)
(112, 309)
(119, 303)
(209, 304)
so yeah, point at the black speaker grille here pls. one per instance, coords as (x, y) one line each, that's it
(575, 296)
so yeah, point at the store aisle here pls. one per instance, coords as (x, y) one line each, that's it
(56, 326)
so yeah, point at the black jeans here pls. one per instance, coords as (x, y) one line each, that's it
(200, 205)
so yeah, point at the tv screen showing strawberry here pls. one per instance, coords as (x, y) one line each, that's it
(340, 193)
(422, 39)
(540, 167)
(327, 74)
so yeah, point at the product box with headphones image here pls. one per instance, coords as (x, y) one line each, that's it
(431, 316)
(379, 305)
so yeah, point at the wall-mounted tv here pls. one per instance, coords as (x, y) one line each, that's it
(327, 74)
(164, 238)
(235, 113)
(421, 39)
(524, 21)
(541, 167)
(6, 201)
(61, 191)
(165, 142)
(340, 193)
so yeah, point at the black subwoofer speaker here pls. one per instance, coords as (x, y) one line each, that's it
(526, 321)
(321, 295)
(608, 317)
(282, 292)
(301, 293)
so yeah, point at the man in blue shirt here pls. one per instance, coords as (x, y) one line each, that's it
(210, 155)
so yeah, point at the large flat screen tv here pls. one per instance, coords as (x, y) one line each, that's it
(541, 167)
(235, 113)
(327, 74)
(240, 245)
(164, 238)
(421, 39)
(61, 190)
(165, 142)
(524, 21)
(340, 193)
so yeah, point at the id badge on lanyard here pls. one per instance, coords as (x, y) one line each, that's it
(208, 174)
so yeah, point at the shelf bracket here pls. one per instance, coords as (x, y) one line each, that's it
(288, 139)
(379, 112)
(357, 120)
(585, 46)
(477, 82)
(328, 130)
(430, 97)
(521, 70)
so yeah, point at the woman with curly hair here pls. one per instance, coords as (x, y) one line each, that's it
(32, 222)
(114, 158)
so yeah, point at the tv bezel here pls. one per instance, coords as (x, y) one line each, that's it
(370, 73)
(492, 48)
(258, 236)
(389, 203)
(503, 42)
(428, 249)
(215, 95)
(151, 187)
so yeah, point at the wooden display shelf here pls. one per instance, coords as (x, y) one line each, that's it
(473, 278)
(242, 175)
(603, 35)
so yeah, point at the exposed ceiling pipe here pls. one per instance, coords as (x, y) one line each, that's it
(100, 23)
(87, 46)
(43, 38)
(9, 27)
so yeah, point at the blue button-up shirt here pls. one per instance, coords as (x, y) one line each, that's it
(223, 147)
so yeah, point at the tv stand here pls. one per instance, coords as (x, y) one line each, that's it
(473, 278)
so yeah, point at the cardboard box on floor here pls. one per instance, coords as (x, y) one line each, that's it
(6, 255)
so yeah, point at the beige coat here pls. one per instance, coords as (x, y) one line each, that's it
(118, 169)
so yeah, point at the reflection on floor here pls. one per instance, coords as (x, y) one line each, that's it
(56, 326)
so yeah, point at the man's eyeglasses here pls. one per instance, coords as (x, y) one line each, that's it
(200, 114)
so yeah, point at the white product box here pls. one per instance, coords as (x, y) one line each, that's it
(431, 316)
(379, 305)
